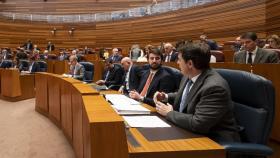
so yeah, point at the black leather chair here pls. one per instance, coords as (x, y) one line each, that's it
(176, 75)
(23, 65)
(254, 101)
(43, 66)
(89, 71)
(117, 86)
(6, 64)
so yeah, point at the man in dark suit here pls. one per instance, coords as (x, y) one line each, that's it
(113, 75)
(50, 46)
(115, 57)
(132, 76)
(33, 66)
(28, 45)
(203, 103)
(252, 54)
(170, 54)
(155, 78)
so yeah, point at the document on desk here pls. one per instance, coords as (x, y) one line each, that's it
(131, 109)
(145, 121)
(120, 99)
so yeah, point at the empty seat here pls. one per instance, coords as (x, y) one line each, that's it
(89, 71)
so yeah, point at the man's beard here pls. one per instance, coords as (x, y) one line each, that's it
(155, 66)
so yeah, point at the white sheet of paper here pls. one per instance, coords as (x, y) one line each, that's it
(120, 99)
(131, 109)
(145, 121)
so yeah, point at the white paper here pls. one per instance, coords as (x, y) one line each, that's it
(130, 109)
(120, 99)
(145, 121)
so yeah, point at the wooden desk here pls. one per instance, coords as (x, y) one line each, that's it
(16, 86)
(93, 127)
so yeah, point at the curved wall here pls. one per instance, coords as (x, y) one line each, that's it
(222, 20)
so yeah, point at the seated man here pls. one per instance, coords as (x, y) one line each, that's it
(76, 70)
(170, 54)
(203, 103)
(115, 57)
(33, 66)
(113, 75)
(252, 54)
(132, 76)
(153, 79)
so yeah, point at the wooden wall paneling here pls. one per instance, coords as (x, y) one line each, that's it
(0, 79)
(273, 17)
(222, 21)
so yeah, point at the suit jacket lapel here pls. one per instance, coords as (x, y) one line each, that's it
(196, 86)
(243, 57)
(258, 56)
(145, 77)
(154, 81)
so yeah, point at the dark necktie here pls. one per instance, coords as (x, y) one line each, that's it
(185, 95)
(250, 61)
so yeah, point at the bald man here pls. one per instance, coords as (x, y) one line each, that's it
(170, 54)
(132, 76)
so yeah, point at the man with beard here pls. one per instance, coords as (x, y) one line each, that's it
(153, 79)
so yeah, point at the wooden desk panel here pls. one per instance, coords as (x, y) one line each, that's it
(54, 82)
(10, 83)
(61, 67)
(80, 90)
(41, 86)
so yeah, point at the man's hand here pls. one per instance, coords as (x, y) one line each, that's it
(100, 82)
(163, 109)
(159, 96)
(135, 95)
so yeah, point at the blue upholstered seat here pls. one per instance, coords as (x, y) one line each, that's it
(254, 103)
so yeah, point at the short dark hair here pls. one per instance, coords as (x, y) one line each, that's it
(199, 53)
(155, 51)
(249, 35)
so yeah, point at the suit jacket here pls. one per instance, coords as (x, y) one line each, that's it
(262, 56)
(78, 71)
(116, 58)
(34, 68)
(134, 74)
(209, 108)
(50, 47)
(6, 64)
(212, 44)
(173, 57)
(115, 76)
(162, 81)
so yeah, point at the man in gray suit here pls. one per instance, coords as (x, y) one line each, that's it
(252, 54)
(76, 70)
(203, 103)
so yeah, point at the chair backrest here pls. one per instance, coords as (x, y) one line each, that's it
(175, 74)
(43, 66)
(6, 64)
(254, 101)
(89, 71)
(276, 51)
(220, 57)
(23, 65)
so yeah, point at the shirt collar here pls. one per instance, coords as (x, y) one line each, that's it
(254, 52)
(195, 78)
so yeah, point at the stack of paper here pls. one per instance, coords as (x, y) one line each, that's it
(120, 99)
(145, 121)
(131, 109)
